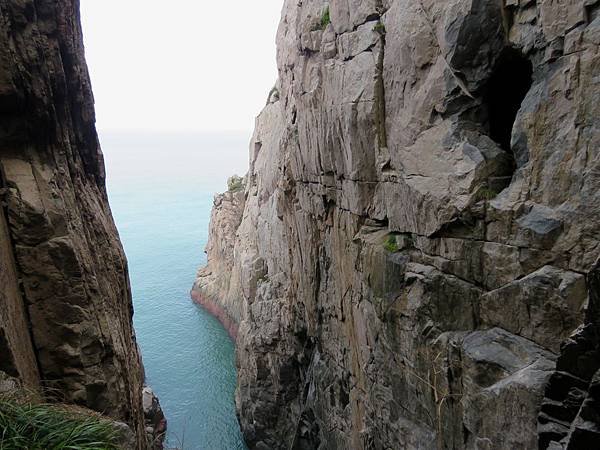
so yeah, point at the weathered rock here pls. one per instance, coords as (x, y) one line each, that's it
(215, 281)
(546, 306)
(569, 415)
(156, 423)
(65, 301)
(127, 438)
(8, 384)
(16, 349)
(413, 264)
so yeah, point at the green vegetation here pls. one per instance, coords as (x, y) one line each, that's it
(235, 184)
(391, 244)
(325, 18)
(379, 28)
(27, 425)
(486, 194)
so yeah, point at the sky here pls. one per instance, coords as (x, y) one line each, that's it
(180, 65)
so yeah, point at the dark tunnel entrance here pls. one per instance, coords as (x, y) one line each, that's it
(504, 94)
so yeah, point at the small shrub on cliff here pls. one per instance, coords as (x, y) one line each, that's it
(390, 244)
(235, 184)
(379, 28)
(325, 18)
(27, 425)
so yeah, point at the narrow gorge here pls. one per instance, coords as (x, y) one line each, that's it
(412, 261)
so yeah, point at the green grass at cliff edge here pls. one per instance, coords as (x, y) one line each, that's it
(26, 425)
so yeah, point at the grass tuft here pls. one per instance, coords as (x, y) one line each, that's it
(31, 426)
(325, 18)
(379, 28)
(390, 244)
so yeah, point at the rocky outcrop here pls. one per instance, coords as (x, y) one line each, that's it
(570, 413)
(156, 423)
(65, 314)
(216, 288)
(413, 266)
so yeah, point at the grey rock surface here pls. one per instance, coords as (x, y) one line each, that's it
(217, 280)
(414, 263)
(156, 423)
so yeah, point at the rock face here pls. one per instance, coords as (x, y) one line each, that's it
(65, 309)
(156, 423)
(216, 286)
(413, 268)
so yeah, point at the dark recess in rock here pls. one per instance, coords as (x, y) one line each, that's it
(505, 91)
(7, 363)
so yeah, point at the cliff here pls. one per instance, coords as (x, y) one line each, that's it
(65, 309)
(216, 286)
(416, 263)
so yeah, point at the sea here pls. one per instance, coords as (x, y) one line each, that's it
(161, 189)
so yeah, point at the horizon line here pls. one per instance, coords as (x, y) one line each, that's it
(172, 131)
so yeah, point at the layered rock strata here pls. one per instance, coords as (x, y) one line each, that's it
(413, 267)
(66, 311)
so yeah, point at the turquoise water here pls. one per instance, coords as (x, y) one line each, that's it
(161, 189)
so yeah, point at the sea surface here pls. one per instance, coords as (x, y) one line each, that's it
(161, 189)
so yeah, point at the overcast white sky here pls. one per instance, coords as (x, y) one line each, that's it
(180, 65)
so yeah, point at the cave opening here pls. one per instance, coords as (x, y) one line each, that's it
(505, 92)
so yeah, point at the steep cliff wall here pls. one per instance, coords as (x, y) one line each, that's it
(66, 309)
(216, 286)
(416, 264)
